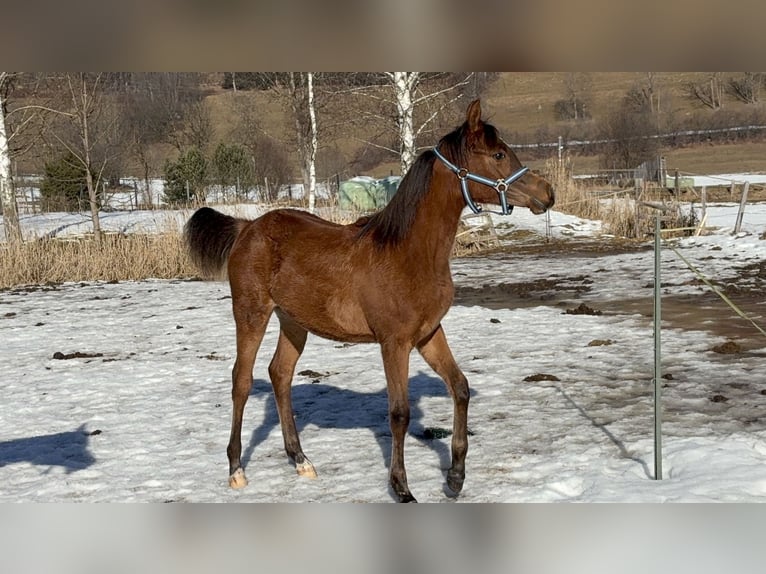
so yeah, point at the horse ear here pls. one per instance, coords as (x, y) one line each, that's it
(473, 115)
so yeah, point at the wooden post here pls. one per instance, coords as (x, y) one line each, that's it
(704, 202)
(741, 212)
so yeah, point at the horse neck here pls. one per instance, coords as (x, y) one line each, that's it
(436, 220)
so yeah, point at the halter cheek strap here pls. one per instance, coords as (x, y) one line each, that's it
(500, 185)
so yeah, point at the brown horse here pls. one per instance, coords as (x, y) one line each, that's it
(384, 279)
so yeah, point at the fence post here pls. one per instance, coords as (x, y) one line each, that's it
(741, 212)
(657, 352)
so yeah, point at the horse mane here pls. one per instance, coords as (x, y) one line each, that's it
(391, 225)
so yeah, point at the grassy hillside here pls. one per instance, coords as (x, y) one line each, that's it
(522, 104)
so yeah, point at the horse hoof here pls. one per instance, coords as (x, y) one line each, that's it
(406, 498)
(238, 479)
(306, 469)
(455, 484)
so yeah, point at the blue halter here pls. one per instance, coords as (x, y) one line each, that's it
(499, 185)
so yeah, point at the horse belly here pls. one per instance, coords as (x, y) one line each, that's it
(348, 320)
(331, 318)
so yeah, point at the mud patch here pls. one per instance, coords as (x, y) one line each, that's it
(59, 356)
(540, 377)
(705, 311)
(751, 281)
(600, 343)
(702, 311)
(315, 376)
(728, 348)
(430, 433)
(523, 294)
(583, 309)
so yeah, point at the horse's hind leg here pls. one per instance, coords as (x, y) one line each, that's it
(438, 355)
(292, 339)
(250, 329)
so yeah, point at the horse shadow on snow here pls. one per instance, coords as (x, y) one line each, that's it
(68, 450)
(327, 406)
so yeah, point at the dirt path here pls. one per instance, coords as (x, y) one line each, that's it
(703, 311)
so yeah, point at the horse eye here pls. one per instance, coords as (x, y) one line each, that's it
(499, 155)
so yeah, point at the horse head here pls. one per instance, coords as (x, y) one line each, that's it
(488, 169)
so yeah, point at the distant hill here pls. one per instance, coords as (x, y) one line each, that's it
(524, 106)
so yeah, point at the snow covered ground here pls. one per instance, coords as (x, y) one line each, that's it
(120, 392)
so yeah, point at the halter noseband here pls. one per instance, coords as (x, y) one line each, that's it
(499, 185)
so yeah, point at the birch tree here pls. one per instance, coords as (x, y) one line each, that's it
(7, 190)
(405, 84)
(296, 91)
(418, 101)
(303, 105)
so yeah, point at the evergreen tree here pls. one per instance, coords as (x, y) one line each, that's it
(186, 178)
(64, 184)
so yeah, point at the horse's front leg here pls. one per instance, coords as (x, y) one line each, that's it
(292, 339)
(438, 355)
(396, 365)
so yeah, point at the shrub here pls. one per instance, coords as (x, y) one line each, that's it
(64, 186)
(185, 178)
(232, 168)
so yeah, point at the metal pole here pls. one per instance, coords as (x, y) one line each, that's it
(657, 354)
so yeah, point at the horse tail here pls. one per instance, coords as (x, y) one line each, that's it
(209, 236)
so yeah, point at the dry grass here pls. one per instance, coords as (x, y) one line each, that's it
(622, 214)
(572, 197)
(116, 258)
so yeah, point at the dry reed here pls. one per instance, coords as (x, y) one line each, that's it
(622, 212)
(116, 258)
(572, 197)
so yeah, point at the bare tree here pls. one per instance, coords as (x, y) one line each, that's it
(708, 93)
(644, 95)
(7, 189)
(296, 91)
(20, 128)
(405, 84)
(415, 101)
(195, 127)
(629, 138)
(577, 93)
(86, 132)
(748, 87)
(311, 144)
(149, 112)
(270, 162)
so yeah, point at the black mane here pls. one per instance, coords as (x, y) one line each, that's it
(391, 225)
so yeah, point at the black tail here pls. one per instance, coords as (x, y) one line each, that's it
(209, 236)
